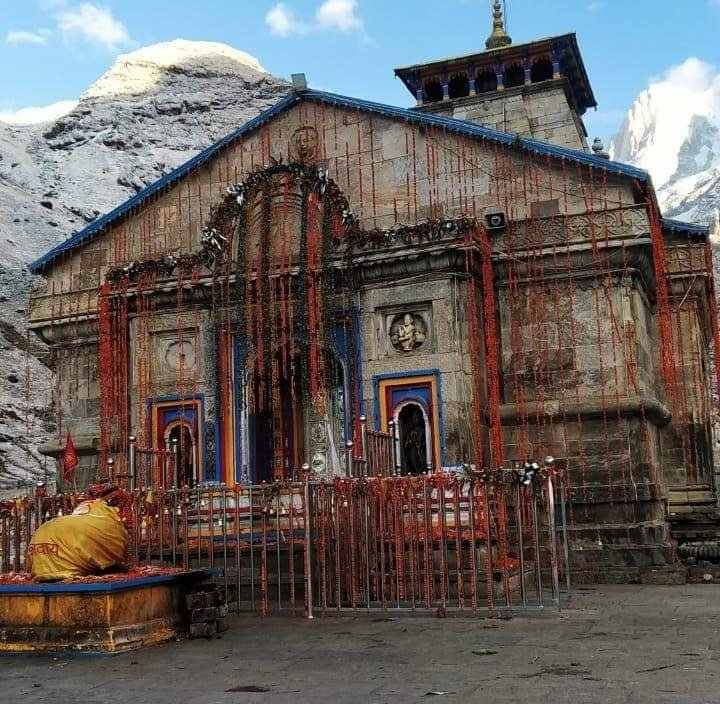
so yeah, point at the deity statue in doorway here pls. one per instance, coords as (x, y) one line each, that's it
(413, 440)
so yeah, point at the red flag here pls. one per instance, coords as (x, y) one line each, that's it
(69, 458)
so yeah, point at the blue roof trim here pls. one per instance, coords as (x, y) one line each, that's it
(411, 116)
(684, 228)
(468, 128)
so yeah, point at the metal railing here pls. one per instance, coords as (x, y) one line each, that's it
(376, 454)
(20, 518)
(439, 542)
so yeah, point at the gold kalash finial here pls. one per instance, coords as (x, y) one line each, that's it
(499, 36)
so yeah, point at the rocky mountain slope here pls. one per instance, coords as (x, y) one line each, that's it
(150, 112)
(673, 130)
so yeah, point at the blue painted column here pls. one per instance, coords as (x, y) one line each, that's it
(556, 56)
(499, 74)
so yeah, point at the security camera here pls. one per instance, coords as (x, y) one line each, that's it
(495, 219)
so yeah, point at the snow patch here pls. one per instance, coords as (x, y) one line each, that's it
(138, 71)
(658, 123)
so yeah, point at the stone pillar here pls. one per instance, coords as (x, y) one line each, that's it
(77, 397)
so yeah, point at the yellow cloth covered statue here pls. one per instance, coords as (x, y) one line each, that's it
(89, 541)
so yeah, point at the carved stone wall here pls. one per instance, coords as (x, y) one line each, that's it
(172, 356)
(544, 114)
(76, 396)
(441, 304)
(390, 172)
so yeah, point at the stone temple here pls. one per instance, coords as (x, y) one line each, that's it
(467, 274)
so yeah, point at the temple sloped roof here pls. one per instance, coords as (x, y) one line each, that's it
(403, 114)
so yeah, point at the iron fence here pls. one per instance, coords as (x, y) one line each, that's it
(439, 542)
(376, 454)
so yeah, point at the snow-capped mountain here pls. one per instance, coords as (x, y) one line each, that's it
(673, 130)
(150, 112)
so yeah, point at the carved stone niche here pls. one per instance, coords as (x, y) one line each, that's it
(408, 330)
(174, 354)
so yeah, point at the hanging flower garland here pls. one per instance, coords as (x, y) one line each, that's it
(282, 316)
(281, 321)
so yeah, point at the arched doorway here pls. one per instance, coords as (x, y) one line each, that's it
(291, 433)
(180, 434)
(414, 439)
(276, 425)
(412, 403)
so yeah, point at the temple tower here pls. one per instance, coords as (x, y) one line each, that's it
(538, 89)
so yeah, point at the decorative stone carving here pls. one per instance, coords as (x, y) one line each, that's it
(180, 354)
(563, 230)
(408, 332)
(304, 145)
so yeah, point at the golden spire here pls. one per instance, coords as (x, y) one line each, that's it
(499, 36)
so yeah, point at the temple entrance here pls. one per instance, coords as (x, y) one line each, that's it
(280, 443)
(413, 433)
(277, 437)
(180, 434)
(176, 425)
(411, 403)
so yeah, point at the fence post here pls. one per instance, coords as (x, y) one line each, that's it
(553, 543)
(308, 544)
(395, 467)
(363, 439)
(131, 462)
(521, 545)
(348, 458)
(176, 456)
(566, 548)
(536, 545)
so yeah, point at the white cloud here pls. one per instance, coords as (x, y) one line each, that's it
(93, 24)
(36, 115)
(331, 15)
(283, 22)
(693, 75)
(38, 38)
(339, 14)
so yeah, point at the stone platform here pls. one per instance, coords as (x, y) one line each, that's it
(95, 616)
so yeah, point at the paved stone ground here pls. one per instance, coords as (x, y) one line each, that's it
(613, 644)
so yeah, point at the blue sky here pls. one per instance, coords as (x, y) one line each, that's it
(51, 50)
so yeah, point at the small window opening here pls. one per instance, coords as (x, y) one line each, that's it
(459, 86)
(514, 76)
